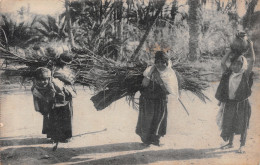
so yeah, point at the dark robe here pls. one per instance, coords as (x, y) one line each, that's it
(152, 120)
(237, 111)
(61, 119)
(62, 113)
(235, 118)
(43, 99)
(55, 105)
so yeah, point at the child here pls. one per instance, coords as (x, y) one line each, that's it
(233, 92)
(158, 82)
(43, 96)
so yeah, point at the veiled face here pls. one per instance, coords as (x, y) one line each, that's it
(160, 64)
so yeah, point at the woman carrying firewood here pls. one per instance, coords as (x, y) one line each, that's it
(62, 114)
(234, 90)
(53, 101)
(158, 82)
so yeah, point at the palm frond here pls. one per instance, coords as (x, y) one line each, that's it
(43, 32)
(47, 28)
(34, 20)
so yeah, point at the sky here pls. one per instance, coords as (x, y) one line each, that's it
(36, 6)
(57, 6)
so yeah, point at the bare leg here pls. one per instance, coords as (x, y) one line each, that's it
(242, 142)
(55, 147)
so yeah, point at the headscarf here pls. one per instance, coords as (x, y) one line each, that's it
(245, 64)
(167, 76)
(160, 55)
(42, 72)
(65, 58)
(235, 78)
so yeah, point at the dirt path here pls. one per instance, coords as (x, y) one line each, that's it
(108, 136)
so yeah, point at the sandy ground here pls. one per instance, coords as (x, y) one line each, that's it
(108, 136)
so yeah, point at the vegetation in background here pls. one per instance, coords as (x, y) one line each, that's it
(123, 31)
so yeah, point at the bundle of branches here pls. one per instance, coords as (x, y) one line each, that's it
(36, 57)
(114, 81)
(26, 71)
(14, 58)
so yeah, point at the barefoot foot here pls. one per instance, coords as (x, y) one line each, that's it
(241, 150)
(55, 147)
(145, 145)
(227, 146)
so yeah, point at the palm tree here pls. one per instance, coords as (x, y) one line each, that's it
(194, 29)
(95, 26)
(249, 13)
(142, 16)
(160, 5)
(13, 34)
(53, 28)
(68, 19)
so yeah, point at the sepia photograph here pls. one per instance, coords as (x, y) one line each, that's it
(120, 82)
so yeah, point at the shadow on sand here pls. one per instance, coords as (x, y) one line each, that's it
(84, 155)
(23, 141)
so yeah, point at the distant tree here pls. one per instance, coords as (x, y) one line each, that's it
(53, 28)
(22, 12)
(68, 20)
(174, 9)
(194, 29)
(247, 19)
(159, 5)
(14, 34)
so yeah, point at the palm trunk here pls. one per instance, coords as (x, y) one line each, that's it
(71, 38)
(135, 54)
(118, 16)
(100, 11)
(118, 9)
(194, 29)
(250, 11)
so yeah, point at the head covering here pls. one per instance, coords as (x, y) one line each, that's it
(245, 64)
(160, 55)
(243, 60)
(36, 47)
(65, 58)
(235, 78)
(51, 52)
(42, 72)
